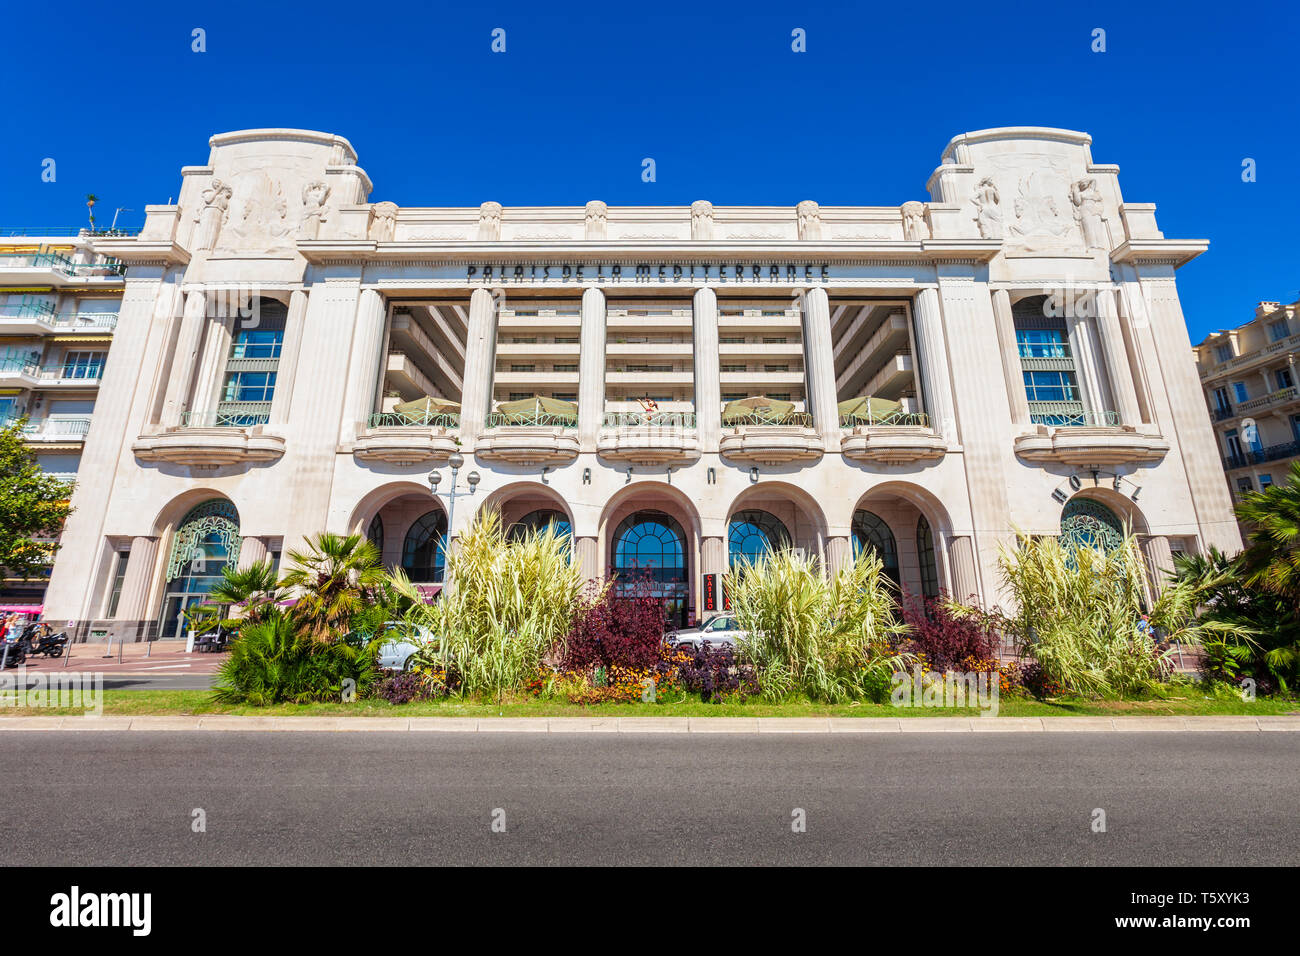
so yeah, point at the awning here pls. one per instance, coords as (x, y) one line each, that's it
(428, 591)
(21, 608)
(84, 337)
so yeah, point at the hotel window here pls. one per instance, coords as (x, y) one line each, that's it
(565, 396)
(1244, 484)
(119, 576)
(522, 340)
(1047, 365)
(249, 384)
(731, 340)
(1284, 379)
(1295, 427)
(1232, 443)
(523, 368)
(565, 368)
(566, 340)
(1221, 402)
(1239, 391)
(779, 396)
(777, 340)
(518, 396)
(1223, 352)
(1265, 481)
(776, 368)
(1278, 330)
(734, 367)
(83, 364)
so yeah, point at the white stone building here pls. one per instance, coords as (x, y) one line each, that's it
(1009, 355)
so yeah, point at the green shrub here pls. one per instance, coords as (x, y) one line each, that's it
(271, 663)
(829, 637)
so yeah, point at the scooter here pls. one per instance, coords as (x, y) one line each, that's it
(47, 642)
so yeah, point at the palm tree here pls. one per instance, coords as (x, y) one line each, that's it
(333, 578)
(255, 588)
(1272, 560)
(91, 199)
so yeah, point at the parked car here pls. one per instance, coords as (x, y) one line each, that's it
(403, 640)
(718, 631)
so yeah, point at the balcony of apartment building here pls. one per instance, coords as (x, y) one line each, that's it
(55, 430)
(46, 267)
(533, 415)
(40, 319)
(78, 370)
(423, 381)
(877, 385)
(1261, 342)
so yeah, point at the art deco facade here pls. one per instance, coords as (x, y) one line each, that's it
(1250, 379)
(675, 386)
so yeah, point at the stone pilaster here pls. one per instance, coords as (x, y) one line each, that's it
(251, 550)
(185, 359)
(839, 553)
(1088, 371)
(961, 559)
(1011, 368)
(212, 364)
(819, 366)
(141, 566)
(480, 359)
(586, 554)
(1116, 357)
(1159, 559)
(708, 387)
(364, 368)
(289, 349)
(932, 354)
(591, 370)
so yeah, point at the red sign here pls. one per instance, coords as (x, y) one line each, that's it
(710, 592)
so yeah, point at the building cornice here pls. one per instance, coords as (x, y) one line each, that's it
(1174, 252)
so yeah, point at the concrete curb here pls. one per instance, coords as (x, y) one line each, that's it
(660, 725)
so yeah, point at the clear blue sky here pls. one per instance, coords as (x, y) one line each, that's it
(712, 92)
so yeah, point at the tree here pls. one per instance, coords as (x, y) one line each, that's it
(1272, 559)
(335, 579)
(33, 505)
(255, 589)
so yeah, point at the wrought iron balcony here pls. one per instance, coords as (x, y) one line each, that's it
(893, 438)
(1067, 415)
(231, 434)
(649, 438)
(232, 415)
(789, 419)
(1223, 413)
(531, 420)
(1290, 449)
(55, 429)
(893, 419)
(399, 420)
(649, 420)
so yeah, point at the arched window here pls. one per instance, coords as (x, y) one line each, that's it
(651, 545)
(1047, 365)
(925, 557)
(424, 555)
(1089, 523)
(752, 534)
(376, 534)
(870, 531)
(540, 520)
(206, 541)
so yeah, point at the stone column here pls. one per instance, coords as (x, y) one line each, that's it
(819, 367)
(708, 387)
(932, 353)
(1011, 369)
(1087, 370)
(713, 560)
(961, 558)
(289, 348)
(251, 550)
(133, 604)
(364, 363)
(212, 364)
(480, 360)
(1159, 560)
(185, 358)
(586, 553)
(1116, 356)
(839, 553)
(591, 370)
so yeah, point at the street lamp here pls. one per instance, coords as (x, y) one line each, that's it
(456, 461)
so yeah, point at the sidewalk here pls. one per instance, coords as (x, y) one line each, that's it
(158, 657)
(661, 725)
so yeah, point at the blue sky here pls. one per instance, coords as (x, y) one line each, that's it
(713, 93)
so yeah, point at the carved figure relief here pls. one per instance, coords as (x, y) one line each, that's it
(1040, 223)
(597, 219)
(810, 220)
(701, 219)
(1088, 209)
(314, 210)
(988, 215)
(384, 224)
(213, 215)
(489, 221)
(259, 214)
(915, 227)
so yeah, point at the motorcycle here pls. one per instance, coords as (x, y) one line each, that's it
(18, 646)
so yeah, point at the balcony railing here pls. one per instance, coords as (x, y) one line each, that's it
(52, 260)
(533, 419)
(797, 419)
(1273, 398)
(54, 428)
(1223, 413)
(649, 420)
(60, 320)
(399, 420)
(1286, 344)
(52, 373)
(1055, 416)
(235, 415)
(1288, 449)
(915, 419)
(64, 231)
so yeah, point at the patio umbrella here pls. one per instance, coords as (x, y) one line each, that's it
(756, 406)
(423, 409)
(539, 406)
(868, 408)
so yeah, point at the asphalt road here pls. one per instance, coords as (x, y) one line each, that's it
(381, 798)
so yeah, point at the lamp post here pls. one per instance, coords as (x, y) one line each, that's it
(456, 461)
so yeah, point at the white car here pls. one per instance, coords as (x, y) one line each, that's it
(395, 653)
(721, 630)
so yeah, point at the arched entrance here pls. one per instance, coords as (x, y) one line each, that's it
(651, 547)
(753, 533)
(540, 520)
(872, 533)
(1088, 523)
(424, 550)
(206, 541)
